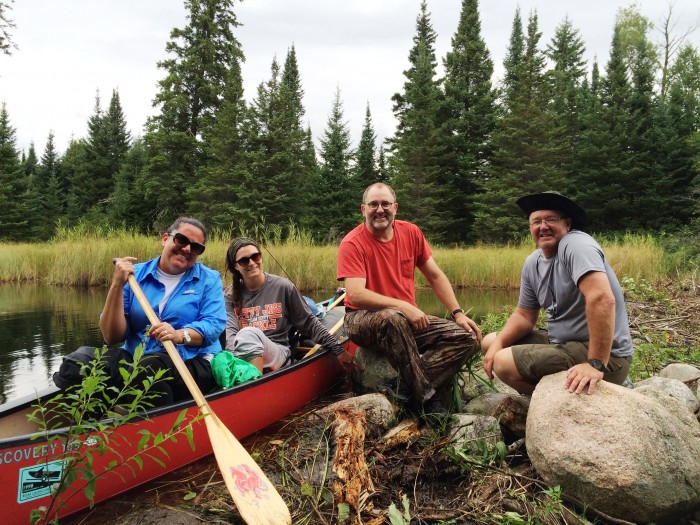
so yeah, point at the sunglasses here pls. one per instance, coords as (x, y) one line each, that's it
(256, 258)
(182, 241)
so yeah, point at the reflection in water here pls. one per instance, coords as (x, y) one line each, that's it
(41, 324)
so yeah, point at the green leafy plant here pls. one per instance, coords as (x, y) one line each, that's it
(478, 453)
(83, 424)
(639, 289)
(396, 517)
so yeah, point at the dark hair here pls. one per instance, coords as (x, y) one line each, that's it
(187, 220)
(236, 244)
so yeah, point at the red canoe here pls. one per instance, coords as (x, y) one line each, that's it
(28, 468)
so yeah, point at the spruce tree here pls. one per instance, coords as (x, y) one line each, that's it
(514, 55)
(528, 148)
(565, 77)
(30, 167)
(76, 174)
(219, 195)
(335, 200)
(678, 122)
(365, 169)
(201, 55)
(417, 148)
(470, 105)
(127, 207)
(14, 222)
(50, 200)
(278, 151)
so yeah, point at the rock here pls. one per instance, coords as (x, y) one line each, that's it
(662, 388)
(509, 409)
(377, 370)
(380, 412)
(622, 453)
(689, 374)
(467, 429)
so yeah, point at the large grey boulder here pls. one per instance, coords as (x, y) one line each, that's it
(622, 453)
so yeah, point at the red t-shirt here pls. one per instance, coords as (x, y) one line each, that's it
(388, 267)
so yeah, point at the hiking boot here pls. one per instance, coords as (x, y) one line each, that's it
(434, 413)
(396, 391)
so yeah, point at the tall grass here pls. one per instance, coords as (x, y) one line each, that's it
(82, 257)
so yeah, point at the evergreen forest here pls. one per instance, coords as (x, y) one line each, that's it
(621, 137)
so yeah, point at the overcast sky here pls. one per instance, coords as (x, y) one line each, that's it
(68, 49)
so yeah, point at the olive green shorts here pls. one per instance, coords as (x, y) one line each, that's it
(535, 357)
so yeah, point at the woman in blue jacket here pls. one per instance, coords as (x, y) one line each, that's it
(188, 299)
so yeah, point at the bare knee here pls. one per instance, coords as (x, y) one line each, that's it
(487, 341)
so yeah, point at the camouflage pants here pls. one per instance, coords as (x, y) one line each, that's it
(425, 360)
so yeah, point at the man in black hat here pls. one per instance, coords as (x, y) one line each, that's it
(570, 278)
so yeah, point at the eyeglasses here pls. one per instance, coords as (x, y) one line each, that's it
(547, 220)
(182, 241)
(386, 205)
(256, 258)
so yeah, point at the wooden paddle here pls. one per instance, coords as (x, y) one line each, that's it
(255, 497)
(332, 330)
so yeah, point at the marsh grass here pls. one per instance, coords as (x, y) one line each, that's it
(83, 257)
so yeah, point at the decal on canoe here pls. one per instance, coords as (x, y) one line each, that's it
(36, 481)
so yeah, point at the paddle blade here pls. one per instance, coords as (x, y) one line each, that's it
(255, 496)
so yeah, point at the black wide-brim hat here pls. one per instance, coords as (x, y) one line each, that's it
(553, 200)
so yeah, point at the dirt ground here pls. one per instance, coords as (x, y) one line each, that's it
(438, 490)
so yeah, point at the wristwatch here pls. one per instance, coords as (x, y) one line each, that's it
(457, 311)
(598, 365)
(186, 337)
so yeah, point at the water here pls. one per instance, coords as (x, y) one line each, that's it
(40, 324)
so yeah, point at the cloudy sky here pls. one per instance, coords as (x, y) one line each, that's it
(68, 49)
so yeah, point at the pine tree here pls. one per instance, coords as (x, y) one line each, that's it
(127, 207)
(76, 175)
(678, 122)
(201, 56)
(365, 169)
(49, 201)
(382, 170)
(14, 223)
(565, 77)
(417, 149)
(219, 195)
(35, 189)
(278, 152)
(593, 153)
(514, 55)
(528, 149)
(470, 102)
(335, 201)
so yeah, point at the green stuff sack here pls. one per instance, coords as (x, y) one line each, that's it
(229, 370)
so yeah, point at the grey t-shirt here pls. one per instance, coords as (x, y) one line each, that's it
(551, 284)
(274, 308)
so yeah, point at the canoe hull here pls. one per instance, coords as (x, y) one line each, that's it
(244, 409)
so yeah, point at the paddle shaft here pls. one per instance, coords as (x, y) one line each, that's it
(233, 460)
(170, 348)
(331, 331)
(337, 301)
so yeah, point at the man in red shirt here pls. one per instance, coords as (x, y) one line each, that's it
(377, 262)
